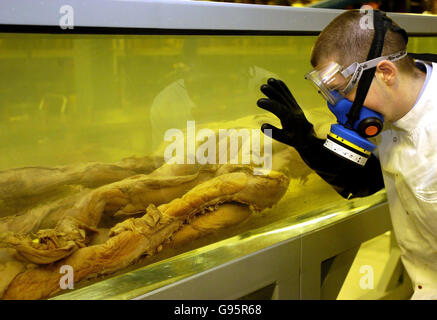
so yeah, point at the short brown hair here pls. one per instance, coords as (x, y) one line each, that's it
(346, 42)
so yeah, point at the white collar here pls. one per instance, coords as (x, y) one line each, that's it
(419, 112)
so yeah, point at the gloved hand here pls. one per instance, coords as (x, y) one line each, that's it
(296, 129)
(347, 178)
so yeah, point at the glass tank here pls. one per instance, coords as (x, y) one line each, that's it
(140, 154)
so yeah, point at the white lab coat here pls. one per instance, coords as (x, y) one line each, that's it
(407, 150)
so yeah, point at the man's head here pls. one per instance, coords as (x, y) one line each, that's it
(347, 40)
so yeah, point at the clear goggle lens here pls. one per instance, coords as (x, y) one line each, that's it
(327, 80)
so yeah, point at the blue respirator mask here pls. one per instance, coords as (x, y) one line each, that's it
(349, 137)
(351, 141)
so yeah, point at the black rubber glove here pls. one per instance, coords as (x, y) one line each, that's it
(296, 129)
(347, 178)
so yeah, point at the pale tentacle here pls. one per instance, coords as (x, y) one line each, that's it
(126, 197)
(135, 237)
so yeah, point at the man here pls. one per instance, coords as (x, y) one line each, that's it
(403, 91)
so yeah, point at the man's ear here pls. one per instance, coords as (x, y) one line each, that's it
(387, 72)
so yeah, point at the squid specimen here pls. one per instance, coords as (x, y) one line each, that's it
(136, 237)
(79, 215)
(100, 218)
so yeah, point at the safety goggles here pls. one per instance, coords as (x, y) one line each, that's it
(334, 79)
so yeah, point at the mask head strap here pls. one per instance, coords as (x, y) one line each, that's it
(380, 26)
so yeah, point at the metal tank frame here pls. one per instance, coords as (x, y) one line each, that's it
(164, 16)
